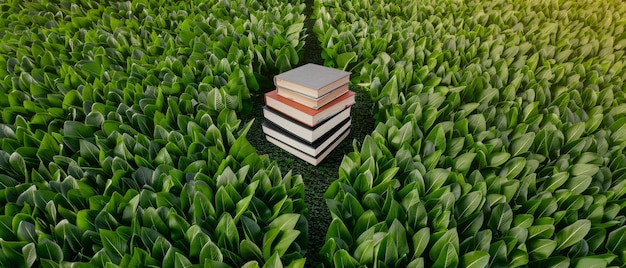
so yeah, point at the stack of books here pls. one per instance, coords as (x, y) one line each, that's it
(308, 114)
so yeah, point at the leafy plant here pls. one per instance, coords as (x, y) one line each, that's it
(499, 138)
(121, 142)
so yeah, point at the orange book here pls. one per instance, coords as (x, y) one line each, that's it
(307, 115)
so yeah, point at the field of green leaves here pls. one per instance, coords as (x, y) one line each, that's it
(121, 140)
(499, 138)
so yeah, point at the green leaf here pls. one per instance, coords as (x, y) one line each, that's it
(251, 229)
(241, 149)
(100, 258)
(91, 67)
(198, 241)
(365, 180)
(583, 169)
(370, 148)
(161, 247)
(295, 28)
(449, 256)
(178, 226)
(286, 240)
(344, 59)
(555, 181)
(30, 254)
(435, 178)
(463, 163)
(398, 234)
(518, 258)
(202, 207)
(475, 259)
(170, 257)
(578, 184)
(343, 259)
(164, 158)
(273, 262)
(498, 251)
(513, 168)
(444, 246)
(597, 261)
(391, 90)
(574, 132)
(619, 130)
(498, 158)
(113, 242)
(26, 232)
(72, 99)
(338, 230)
(152, 219)
(18, 164)
(104, 220)
(541, 231)
(573, 233)
(180, 261)
(89, 151)
(47, 249)
(210, 252)
(242, 207)
(469, 203)
(268, 240)
(364, 252)
(297, 263)
(616, 241)
(249, 250)
(223, 201)
(71, 234)
(285, 222)
(539, 249)
(282, 62)
(251, 264)
(226, 231)
(501, 217)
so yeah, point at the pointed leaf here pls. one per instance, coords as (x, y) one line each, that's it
(47, 249)
(30, 254)
(616, 241)
(475, 259)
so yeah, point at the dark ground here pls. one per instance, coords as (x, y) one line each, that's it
(316, 178)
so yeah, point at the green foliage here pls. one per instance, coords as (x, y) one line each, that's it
(121, 139)
(502, 124)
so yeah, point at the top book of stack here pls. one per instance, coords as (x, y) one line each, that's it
(312, 80)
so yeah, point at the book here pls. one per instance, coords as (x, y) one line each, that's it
(309, 134)
(312, 80)
(307, 115)
(314, 103)
(313, 160)
(310, 148)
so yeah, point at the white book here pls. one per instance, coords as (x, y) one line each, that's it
(312, 149)
(307, 133)
(313, 160)
(312, 79)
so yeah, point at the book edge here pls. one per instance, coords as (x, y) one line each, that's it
(307, 158)
(311, 134)
(285, 79)
(344, 88)
(316, 116)
(312, 149)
